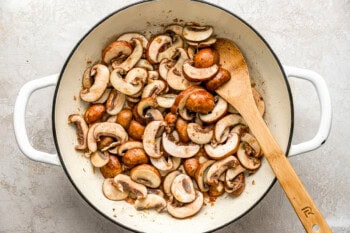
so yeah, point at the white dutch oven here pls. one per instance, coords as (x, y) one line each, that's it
(268, 74)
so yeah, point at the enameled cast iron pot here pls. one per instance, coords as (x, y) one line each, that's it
(265, 69)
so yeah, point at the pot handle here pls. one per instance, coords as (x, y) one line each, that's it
(325, 106)
(19, 120)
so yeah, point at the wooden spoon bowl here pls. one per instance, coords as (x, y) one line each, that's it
(238, 93)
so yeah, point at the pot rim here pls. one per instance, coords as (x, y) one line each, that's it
(97, 25)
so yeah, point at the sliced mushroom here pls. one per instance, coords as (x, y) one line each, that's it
(197, 33)
(124, 182)
(94, 113)
(111, 192)
(164, 67)
(143, 63)
(223, 150)
(231, 174)
(195, 74)
(152, 76)
(147, 175)
(162, 163)
(179, 105)
(104, 96)
(219, 111)
(128, 145)
(259, 101)
(187, 210)
(168, 180)
(82, 130)
(182, 189)
(101, 78)
(201, 175)
(91, 141)
(240, 130)
(176, 162)
(253, 143)
(224, 124)
(177, 42)
(175, 76)
(153, 115)
(221, 77)
(154, 88)
(219, 167)
(128, 88)
(174, 28)
(144, 105)
(106, 129)
(199, 134)
(154, 47)
(115, 102)
(245, 154)
(216, 190)
(115, 50)
(238, 185)
(203, 44)
(99, 159)
(151, 144)
(132, 59)
(134, 35)
(166, 100)
(178, 150)
(152, 201)
(87, 80)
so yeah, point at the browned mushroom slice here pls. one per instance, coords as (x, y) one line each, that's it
(154, 47)
(115, 50)
(115, 102)
(219, 167)
(154, 88)
(164, 67)
(143, 63)
(177, 42)
(106, 129)
(101, 78)
(238, 185)
(135, 157)
(128, 145)
(151, 144)
(147, 175)
(218, 112)
(111, 192)
(168, 180)
(112, 168)
(124, 182)
(131, 87)
(182, 188)
(199, 134)
(178, 150)
(224, 124)
(253, 143)
(186, 210)
(201, 175)
(152, 201)
(166, 100)
(245, 154)
(216, 190)
(223, 150)
(230, 175)
(202, 44)
(82, 130)
(174, 28)
(195, 74)
(131, 35)
(132, 59)
(99, 159)
(197, 33)
(144, 105)
(175, 76)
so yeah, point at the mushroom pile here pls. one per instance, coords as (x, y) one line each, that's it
(154, 127)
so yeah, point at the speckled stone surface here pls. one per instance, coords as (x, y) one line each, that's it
(36, 36)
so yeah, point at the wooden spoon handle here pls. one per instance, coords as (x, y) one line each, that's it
(301, 201)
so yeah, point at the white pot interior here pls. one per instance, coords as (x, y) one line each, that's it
(149, 17)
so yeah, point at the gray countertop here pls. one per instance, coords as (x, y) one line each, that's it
(36, 36)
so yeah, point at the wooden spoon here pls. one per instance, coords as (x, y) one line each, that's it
(239, 94)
